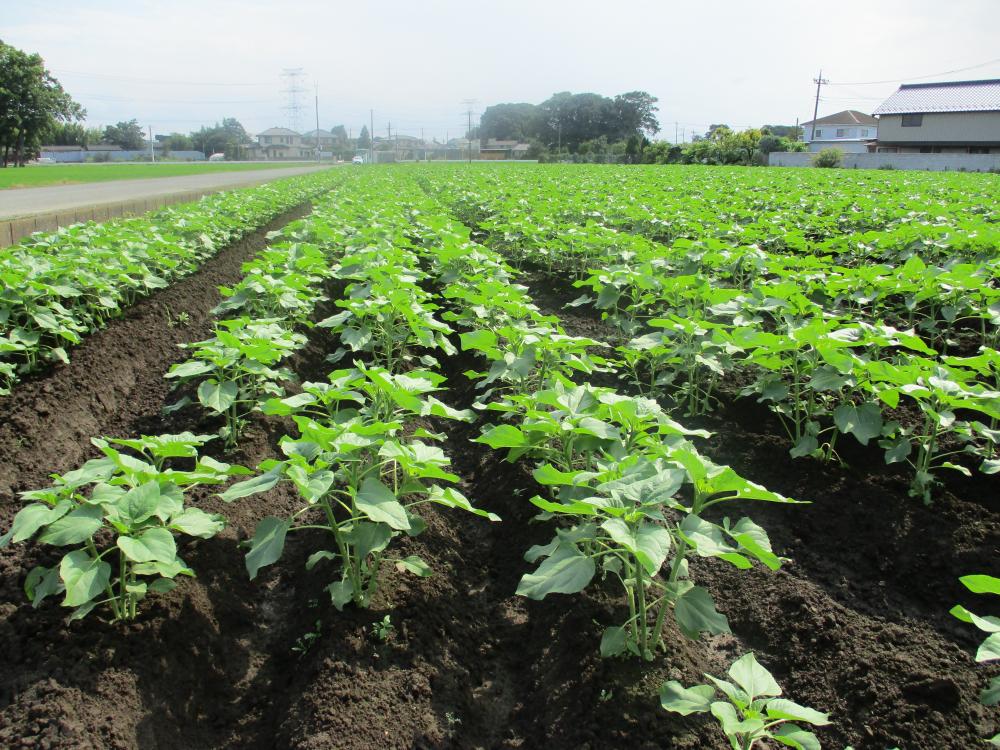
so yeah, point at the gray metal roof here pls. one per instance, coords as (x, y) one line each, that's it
(954, 96)
(847, 117)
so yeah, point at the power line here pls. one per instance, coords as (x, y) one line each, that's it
(104, 76)
(915, 78)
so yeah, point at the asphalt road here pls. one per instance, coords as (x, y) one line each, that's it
(23, 202)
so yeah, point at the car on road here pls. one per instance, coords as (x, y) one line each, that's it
(358, 160)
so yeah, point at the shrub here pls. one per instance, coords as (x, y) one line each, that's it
(828, 158)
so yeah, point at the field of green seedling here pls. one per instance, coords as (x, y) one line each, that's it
(508, 456)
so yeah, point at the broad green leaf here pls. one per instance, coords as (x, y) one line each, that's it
(753, 678)
(989, 649)
(42, 582)
(566, 571)
(196, 522)
(503, 436)
(730, 720)
(379, 503)
(695, 613)
(990, 695)
(217, 396)
(261, 483)
(31, 518)
(613, 642)
(981, 584)
(414, 564)
(686, 701)
(649, 544)
(152, 545)
(780, 708)
(267, 545)
(75, 527)
(794, 736)
(84, 577)
(864, 421)
(341, 593)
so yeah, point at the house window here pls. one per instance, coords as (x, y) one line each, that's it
(841, 132)
(913, 121)
(818, 133)
(979, 149)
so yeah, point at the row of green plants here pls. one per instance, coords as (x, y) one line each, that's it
(56, 288)
(830, 348)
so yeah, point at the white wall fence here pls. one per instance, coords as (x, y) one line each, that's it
(78, 157)
(927, 162)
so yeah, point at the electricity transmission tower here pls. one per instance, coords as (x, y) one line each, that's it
(293, 91)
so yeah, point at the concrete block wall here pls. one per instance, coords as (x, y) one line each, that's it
(12, 230)
(926, 162)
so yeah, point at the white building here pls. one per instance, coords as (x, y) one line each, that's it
(956, 117)
(850, 131)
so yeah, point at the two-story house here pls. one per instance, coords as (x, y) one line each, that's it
(957, 117)
(851, 131)
(283, 143)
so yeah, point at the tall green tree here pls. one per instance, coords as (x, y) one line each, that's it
(31, 102)
(227, 137)
(65, 134)
(128, 135)
(339, 133)
(364, 138)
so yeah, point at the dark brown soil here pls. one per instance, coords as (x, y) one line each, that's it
(855, 624)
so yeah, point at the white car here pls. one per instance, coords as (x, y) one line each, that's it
(358, 160)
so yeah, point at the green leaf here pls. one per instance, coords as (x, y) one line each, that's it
(981, 584)
(142, 502)
(217, 396)
(260, 483)
(864, 421)
(989, 649)
(75, 527)
(267, 545)
(31, 518)
(153, 545)
(84, 577)
(794, 736)
(414, 564)
(730, 720)
(196, 522)
(503, 436)
(378, 502)
(649, 543)
(341, 593)
(990, 695)
(614, 641)
(686, 701)
(368, 538)
(42, 582)
(781, 708)
(566, 571)
(695, 613)
(753, 678)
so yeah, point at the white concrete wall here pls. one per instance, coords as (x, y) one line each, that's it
(930, 162)
(942, 127)
(848, 147)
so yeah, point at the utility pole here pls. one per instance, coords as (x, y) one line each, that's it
(675, 132)
(798, 135)
(819, 81)
(371, 136)
(152, 155)
(468, 133)
(318, 152)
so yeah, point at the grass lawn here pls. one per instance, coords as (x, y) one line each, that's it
(40, 175)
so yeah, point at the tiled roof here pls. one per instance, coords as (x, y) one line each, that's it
(847, 117)
(277, 131)
(955, 96)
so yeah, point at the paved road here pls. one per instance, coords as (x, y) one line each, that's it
(30, 201)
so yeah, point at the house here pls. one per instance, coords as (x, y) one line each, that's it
(282, 143)
(325, 138)
(957, 117)
(497, 150)
(851, 131)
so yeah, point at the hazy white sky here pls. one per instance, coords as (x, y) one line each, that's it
(178, 64)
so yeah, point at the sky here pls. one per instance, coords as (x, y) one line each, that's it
(178, 65)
